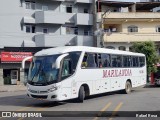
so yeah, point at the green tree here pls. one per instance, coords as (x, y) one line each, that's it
(147, 48)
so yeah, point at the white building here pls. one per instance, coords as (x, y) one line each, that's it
(39, 23)
(31, 25)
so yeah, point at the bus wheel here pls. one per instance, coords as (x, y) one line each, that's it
(81, 95)
(128, 87)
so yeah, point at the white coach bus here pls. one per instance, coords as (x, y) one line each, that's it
(63, 73)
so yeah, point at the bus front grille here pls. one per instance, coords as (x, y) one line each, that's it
(40, 96)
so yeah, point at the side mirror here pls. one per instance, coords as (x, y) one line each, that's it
(24, 60)
(58, 61)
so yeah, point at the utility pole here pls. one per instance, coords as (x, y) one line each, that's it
(102, 28)
(94, 8)
(98, 26)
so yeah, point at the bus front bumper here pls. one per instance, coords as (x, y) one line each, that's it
(43, 92)
(49, 96)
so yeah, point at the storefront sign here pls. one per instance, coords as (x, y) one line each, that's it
(14, 56)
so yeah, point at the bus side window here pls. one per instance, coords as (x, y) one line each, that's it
(84, 62)
(91, 61)
(126, 61)
(99, 61)
(106, 61)
(114, 61)
(141, 61)
(135, 61)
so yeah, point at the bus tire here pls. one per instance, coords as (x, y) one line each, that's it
(128, 88)
(81, 94)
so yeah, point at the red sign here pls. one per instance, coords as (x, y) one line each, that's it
(14, 56)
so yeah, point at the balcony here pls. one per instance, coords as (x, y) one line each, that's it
(131, 37)
(85, 40)
(29, 20)
(113, 16)
(83, 19)
(43, 40)
(53, 17)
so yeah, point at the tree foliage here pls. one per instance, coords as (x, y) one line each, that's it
(147, 48)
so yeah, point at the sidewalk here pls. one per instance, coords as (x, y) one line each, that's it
(12, 88)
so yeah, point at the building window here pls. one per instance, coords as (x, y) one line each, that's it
(87, 32)
(72, 30)
(131, 49)
(30, 5)
(76, 30)
(122, 48)
(45, 8)
(30, 29)
(86, 10)
(69, 9)
(45, 30)
(158, 29)
(132, 28)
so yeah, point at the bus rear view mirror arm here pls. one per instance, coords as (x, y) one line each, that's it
(24, 60)
(59, 60)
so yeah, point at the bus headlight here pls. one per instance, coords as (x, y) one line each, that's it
(28, 87)
(53, 88)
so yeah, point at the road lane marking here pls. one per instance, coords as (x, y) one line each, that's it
(38, 109)
(116, 110)
(41, 109)
(102, 110)
(24, 108)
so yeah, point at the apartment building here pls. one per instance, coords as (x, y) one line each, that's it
(128, 22)
(27, 26)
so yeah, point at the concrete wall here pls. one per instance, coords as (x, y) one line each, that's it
(11, 30)
(81, 7)
(84, 19)
(52, 5)
(85, 40)
(117, 45)
(54, 40)
(143, 27)
(52, 29)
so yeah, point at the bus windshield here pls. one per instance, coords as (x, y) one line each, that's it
(42, 70)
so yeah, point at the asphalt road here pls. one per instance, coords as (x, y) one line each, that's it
(105, 105)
